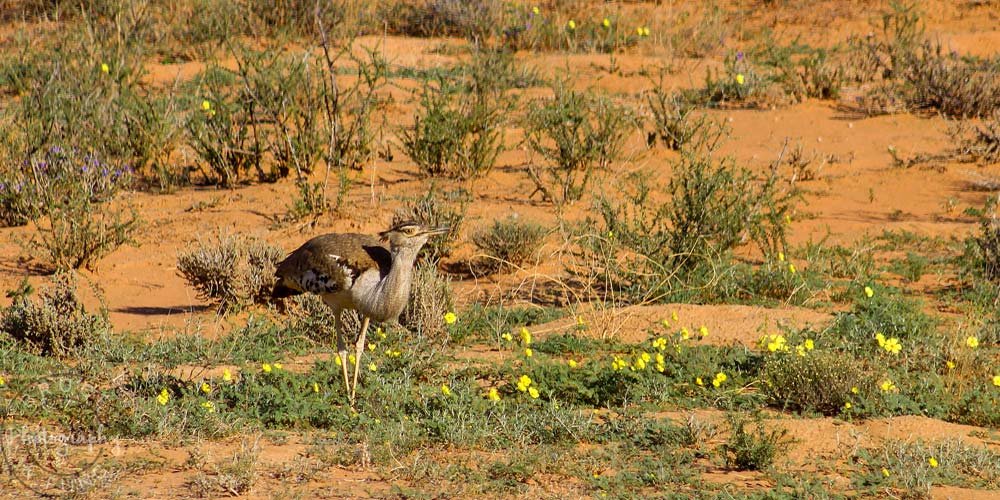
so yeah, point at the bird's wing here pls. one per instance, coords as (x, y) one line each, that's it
(331, 262)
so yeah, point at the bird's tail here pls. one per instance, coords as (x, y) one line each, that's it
(281, 290)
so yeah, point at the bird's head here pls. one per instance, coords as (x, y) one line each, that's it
(410, 235)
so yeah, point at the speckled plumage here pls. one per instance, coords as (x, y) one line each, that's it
(356, 271)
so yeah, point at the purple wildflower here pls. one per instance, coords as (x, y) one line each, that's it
(739, 56)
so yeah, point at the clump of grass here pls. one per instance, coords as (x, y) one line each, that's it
(577, 134)
(821, 381)
(433, 211)
(235, 477)
(232, 271)
(56, 324)
(509, 243)
(980, 144)
(753, 449)
(739, 83)
(430, 299)
(913, 468)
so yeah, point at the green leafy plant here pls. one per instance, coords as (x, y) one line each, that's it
(752, 449)
(577, 134)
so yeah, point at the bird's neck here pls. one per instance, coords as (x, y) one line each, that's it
(397, 282)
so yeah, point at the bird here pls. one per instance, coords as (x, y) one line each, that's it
(351, 271)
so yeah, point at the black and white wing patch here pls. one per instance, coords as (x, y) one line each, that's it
(336, 274)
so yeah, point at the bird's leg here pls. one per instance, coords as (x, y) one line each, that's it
(341, 351)
(359, 349)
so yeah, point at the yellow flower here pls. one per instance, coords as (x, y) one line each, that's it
(740, 79)
(445, 390)
(703, 331)
(791, 268)
(208, 406)
(105, 68)
(781, 256)
(698, 381)
(776, 342)
(352, 359)
(719, 379)
(277, 366)
(673, 316)
(2, 381)
(493, 395)
(533, 393)
(996, 380)
(206, 105)
(869, 292)
(606, 23)
(645, 31)
(523, 383)
(933, 462)
(809, 344)
(645, 357)
(800, 350)
(163, 397)
(665, 323)
(450, 318)
(536, 10)
(227, 375)
(660, 359)
(315, 387)
(847, 405)
(855, 390)
(618, 364)
(788, 219)
(580, 321)
(893, 346)
(972, 342)
(880, 338)
(887, 386)
(885, 472)
(640, 364)
(371, 347)
(337, 361)
(372, 367)
(266, 367)
(660, 367)
(206, 388)
(508, 337)
(571, 363)
(660, 343)
(528, 352)
(950, 365)
(525, 336)
(685, 333)
(380, 333)
(571, 25)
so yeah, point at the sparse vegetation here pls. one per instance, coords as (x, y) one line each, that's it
(802, 300)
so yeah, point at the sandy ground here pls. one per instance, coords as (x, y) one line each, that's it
(859, 193)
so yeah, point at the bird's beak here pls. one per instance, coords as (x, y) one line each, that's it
(438, 230)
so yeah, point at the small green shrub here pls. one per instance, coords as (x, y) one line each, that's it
(820, 381)
(459, 127)
(509, 243)
(752, 449)
(577, 134)
(887, 312)
(648, 248)
(56, 324)
(232, 271)
(433, 211)
(674, 122)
